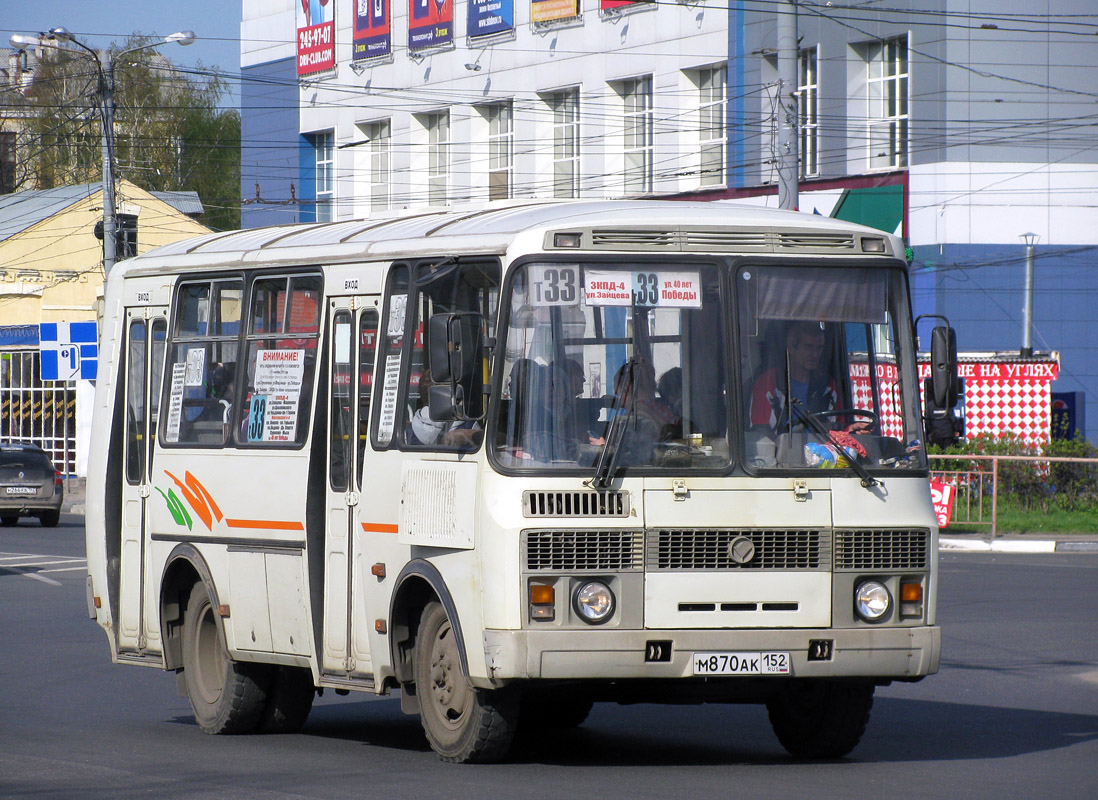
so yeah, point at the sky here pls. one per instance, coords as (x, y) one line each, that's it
(98, 23)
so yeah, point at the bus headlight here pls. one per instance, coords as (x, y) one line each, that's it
(872, 600)
(593, 602)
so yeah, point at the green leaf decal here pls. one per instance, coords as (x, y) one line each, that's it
(176, 507)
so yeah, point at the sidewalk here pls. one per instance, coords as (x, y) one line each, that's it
(74, 496)
(1018, 542)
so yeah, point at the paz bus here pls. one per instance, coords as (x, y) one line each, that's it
(515, 461)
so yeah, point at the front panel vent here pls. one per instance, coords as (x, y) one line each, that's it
(816, 242)
(881, 549)
(679, 550)
(584, 551)
(626, 239)
(575, 504)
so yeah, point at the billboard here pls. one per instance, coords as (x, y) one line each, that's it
(371, 30)
(486, 17)
(430, 23)
(315, 36)
(614, 5)
(552, 10)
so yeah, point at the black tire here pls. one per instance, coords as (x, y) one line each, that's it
(225, 696)
(463, 724)
(557, 710)
(50, 518)
(7, 520)
(289, 701)
(821, 719)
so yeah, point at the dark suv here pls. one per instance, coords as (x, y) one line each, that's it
(29, 485)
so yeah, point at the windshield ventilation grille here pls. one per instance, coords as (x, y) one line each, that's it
(670, 550)
(575, 504)
(736, 241)
(816, 241)
(577, 551)
(885, 550)
(633, 239)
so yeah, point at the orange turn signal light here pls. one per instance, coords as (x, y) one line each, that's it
(542, 594)
(911, 592)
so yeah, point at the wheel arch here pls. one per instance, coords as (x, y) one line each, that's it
(418, 584)
(184, 568)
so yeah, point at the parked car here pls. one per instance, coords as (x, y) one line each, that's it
(30, 486)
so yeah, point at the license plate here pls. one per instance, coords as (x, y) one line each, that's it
(741, 663)
(21, 490)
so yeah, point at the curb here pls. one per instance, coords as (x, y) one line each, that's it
(1014, 546)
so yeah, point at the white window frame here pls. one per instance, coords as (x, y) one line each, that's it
(887, 109)
(437, 125)
(324, 148)
(379, 137)
(637, 129)
(565, 108)
(501, 149)
(712, 86)
(808, 111)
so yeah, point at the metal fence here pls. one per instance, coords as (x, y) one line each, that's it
(33, 411)
(977, 489)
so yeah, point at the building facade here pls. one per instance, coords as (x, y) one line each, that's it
(961, 126)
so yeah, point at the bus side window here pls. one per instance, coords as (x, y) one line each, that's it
(283, 331)
(386, 412)
(200, 374)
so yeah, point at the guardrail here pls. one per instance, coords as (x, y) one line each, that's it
(974, 486)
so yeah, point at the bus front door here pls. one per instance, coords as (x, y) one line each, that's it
(346, 645)
(145, 338)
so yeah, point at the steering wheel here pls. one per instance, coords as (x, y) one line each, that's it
(850, 412)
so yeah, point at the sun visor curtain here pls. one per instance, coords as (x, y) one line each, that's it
(825, 294)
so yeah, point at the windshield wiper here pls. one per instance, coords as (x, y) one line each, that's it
(813, 422)
(615, 431)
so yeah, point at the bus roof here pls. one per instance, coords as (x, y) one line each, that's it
(618, 225)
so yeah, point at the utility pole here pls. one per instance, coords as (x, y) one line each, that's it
(787, 106)
(105, 67)
(1027, 301)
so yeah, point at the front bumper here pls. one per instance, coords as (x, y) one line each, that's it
(878, 653)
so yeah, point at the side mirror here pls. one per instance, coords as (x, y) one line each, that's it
(943, 366)
(455, 351)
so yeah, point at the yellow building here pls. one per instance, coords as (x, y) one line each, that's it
(51, 270)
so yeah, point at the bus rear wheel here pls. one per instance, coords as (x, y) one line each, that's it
(463, 724)
(820, 719)
(225, 696)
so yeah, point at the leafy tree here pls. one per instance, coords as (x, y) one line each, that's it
(169, 132)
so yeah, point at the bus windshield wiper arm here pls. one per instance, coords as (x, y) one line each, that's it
(615, 431)
(813, 422)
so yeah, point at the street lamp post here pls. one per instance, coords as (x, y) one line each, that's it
(1027, 303)
(105, 68)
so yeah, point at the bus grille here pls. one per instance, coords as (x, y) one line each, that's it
(577, 551)
(575, 504)
(712, 549)
(887, 550)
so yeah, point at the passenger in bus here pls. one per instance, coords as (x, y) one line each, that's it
(813, 388)
(422, 430)
(647, 419)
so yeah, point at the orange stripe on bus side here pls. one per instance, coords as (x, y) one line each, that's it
(377, 527)
(267, 524)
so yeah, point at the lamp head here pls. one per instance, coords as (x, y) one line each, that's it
(182, 37)
(21, 42)
(61, 33)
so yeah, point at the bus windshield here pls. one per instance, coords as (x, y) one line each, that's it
(629, 353)
(628, 364)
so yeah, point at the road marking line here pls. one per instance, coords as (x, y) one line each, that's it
(27, 574)
(66, 569)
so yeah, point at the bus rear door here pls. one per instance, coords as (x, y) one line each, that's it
(145, 339)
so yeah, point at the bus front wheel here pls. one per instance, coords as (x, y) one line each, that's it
(463, 724)
(820, 719)
(226, 696)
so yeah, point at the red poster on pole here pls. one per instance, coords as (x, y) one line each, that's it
(942, 494)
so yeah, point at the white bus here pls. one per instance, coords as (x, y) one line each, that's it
(516, 461)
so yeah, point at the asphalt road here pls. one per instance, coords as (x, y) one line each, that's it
(1013, 713)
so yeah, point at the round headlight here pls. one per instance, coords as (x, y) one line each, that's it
(593, 602)
(872, 600)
